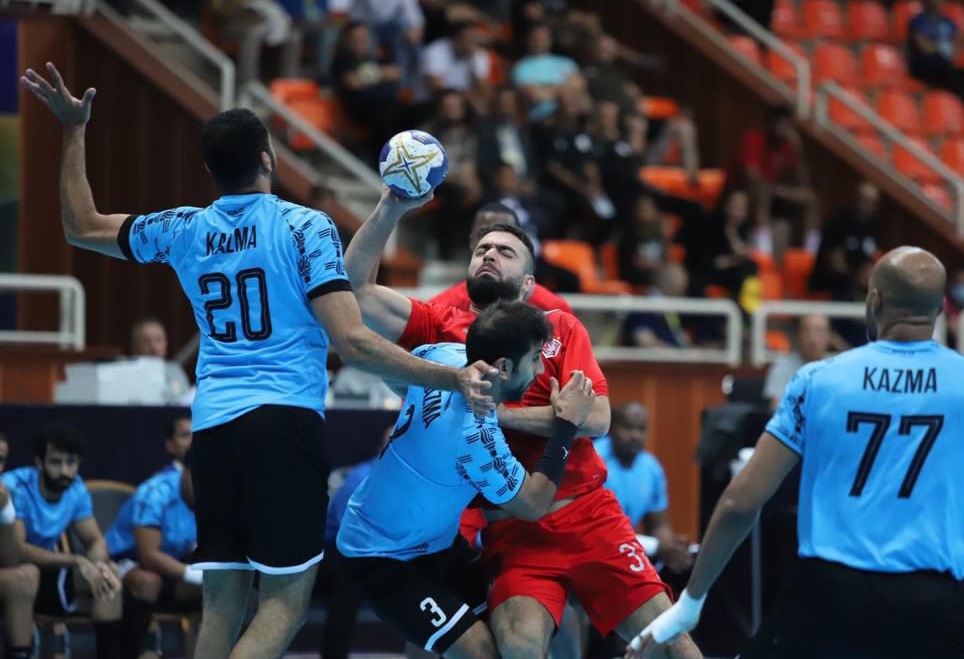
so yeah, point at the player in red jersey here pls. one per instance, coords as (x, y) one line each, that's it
(585, 544)
(458, 295)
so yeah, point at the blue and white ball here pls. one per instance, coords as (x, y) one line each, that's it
(413, 163)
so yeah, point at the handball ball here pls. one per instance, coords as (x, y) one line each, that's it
(412, 163)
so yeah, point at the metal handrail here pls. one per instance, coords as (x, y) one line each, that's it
(255, 90)
(622, 304)
(759, 355)
(205, 48)
(801, 95)
(72, 324)
(824, 121)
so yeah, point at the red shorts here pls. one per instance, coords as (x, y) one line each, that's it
(588, 546)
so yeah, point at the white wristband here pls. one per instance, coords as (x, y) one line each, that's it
(9, 514)
(193, 575)
(650, 544)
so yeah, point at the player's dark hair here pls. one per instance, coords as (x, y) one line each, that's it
(232, 143)
(171, 426)
(61, 436)
(523, 237)
(506, 329)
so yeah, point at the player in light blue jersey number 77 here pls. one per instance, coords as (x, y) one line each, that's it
(267, 283)
(881, 512)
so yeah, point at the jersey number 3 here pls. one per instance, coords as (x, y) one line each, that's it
(880, 423)
(250, 286)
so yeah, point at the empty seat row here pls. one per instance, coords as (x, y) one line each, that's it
(860, 20)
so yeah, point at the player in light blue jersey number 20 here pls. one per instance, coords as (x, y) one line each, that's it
(267, 283)
(881, 538)
(399, 540)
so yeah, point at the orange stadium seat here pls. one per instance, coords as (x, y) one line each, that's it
(822, 20)
(938, 194)
(764, 262)
(900, 14)
(747, 47)
(883, 66)
(785, 21)
(797, 266)
(677, 253)
(777, 341)
(867, 21)
(287, 90)
(658, 107)
(780, 67)
(319, 113)
(771, 285)
(673, 180)
(578, 257)
(835, 62)
(911, 166)
(952, 153)
(900, 109)
(609, 255)
(845, 116)
(955, 12)
(873, 144)
(943, 114)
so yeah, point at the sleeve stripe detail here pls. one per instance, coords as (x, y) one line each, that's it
(124, 238)
(332, 286)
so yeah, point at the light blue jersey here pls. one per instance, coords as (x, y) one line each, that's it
(46, 520)
(156, 503)
(249, 264)
(439, 457)
(639, 488)
(879, 431)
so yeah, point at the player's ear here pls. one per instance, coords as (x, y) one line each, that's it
(266, 164)
(528, 283)
(504, 366)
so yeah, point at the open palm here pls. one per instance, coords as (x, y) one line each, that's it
(68, 109)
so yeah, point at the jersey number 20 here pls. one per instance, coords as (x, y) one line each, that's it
(249, 283)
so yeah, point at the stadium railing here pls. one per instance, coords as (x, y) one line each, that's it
(799, 94)
(622, 305)
(72, 323)
(760, 355)
(823, 120)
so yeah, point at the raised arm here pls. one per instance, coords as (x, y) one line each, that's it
(384, 310)
(83, 225)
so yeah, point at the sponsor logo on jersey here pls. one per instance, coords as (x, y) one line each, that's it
(551, 348)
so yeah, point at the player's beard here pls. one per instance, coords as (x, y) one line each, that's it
(515, 394)
(484, 291)
(56, 485)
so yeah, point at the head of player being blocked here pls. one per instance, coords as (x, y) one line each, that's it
(501, 267)
(905, 295)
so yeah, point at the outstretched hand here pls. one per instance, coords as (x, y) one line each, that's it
(69, 110)
(402, 205)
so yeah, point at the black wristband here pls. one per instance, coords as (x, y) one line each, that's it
(552, 464)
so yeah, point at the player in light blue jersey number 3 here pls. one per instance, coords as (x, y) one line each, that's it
(881, 511)
(267, 283)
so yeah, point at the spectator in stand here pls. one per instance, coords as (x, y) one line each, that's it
(813, 341)
(461, 192)
(457, 62)
(718, 250)
(644, 245)
(505, 139)
(849, 242)
(572, 171)
(149, 339)
(535, 218)
(541, 75)
(366, 87)
(932, 43)
(953, 306)
(606, 80)
(652, 329)
(773, 167)
(398, 27)
(177, 441)
(541, 297)
(255, 24)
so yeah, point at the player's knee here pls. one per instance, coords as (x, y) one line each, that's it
(26, 582)
(519, 640)
(143, 585)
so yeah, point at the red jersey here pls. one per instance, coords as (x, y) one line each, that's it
(775, 162)
(541, 298)
(568, 350)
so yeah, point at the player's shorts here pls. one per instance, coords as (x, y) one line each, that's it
(55, 595)
(261, 491)
(432, 600)
(832, 611)
(588, 546)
